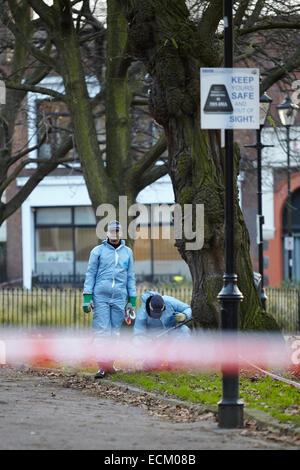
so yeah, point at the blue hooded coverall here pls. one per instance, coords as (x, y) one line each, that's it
(110, 278)
(144, 324)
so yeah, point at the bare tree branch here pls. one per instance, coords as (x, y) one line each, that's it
(44, 11)
(44, 168)
(36, 89)
(22, 154)
(281, 71)
(137, 171)
(150, 177)
(269, 26)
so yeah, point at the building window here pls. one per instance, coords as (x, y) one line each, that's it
(53, 124)
(157, 257)
(64, 238)
(54, 216)
(85, 240)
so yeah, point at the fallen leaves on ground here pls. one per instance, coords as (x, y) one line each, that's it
(155, 406)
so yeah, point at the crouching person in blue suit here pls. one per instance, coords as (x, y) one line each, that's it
(160, 313)
(109, 284)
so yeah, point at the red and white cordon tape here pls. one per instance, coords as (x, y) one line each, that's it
(275, 376)
(203, 351)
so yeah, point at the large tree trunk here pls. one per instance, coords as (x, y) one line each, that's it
(171, 48)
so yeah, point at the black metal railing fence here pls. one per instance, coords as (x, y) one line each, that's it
(284, 305)
(61, 307)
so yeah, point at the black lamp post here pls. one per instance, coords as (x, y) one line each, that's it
(264, 107)
(230, 408)
(287, 114)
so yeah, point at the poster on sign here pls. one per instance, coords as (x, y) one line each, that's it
(229, 98)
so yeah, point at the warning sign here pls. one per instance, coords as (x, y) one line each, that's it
(229, 98)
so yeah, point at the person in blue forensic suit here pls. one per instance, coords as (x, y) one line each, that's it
(160, 313)
(109, 284)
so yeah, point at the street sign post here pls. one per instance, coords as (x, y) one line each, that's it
(289, 243)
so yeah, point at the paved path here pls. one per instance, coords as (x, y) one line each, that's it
(38, 413)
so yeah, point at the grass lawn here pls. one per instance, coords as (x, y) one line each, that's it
(280, 400)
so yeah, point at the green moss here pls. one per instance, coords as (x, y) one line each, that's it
(184, 165)
(204, 164)
(258, 319)
(187, 196)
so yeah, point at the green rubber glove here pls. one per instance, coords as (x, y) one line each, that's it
(132, 301)
(87, 303)
(180, 317)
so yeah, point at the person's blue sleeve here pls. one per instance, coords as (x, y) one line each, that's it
(131, 287)
(90, 277)
(181, 307)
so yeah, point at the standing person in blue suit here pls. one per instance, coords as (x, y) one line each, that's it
(109, 284)
(160, 313)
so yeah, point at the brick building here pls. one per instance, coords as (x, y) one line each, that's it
(274, 193)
